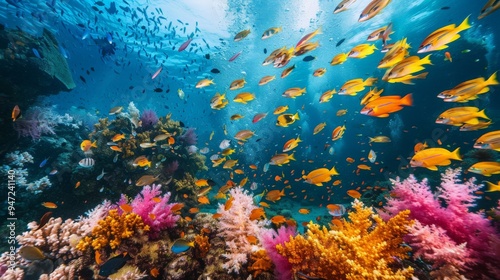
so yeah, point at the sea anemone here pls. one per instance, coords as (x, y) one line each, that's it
(189, 137)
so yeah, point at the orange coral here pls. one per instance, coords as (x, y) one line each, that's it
(260, 262)
(201, 245)
(112, 230)
(361, 249)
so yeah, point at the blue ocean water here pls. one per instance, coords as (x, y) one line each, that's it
(146, 36)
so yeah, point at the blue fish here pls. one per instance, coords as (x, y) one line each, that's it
(44, 162)
(181, 245)
(114, 264)
(109, 38)
(63, 51)
(37, 54)
(85, 34)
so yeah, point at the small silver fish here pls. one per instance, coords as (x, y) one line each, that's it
(86, 162)
(101, 175)
(115, 159)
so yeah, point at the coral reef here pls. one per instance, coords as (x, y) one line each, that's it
(189, 137)
(363, 248)
(18, 159)
(202, 245)
(235, 227)
(39, 185)
(112, 230)
(269, 239)
(154, 209)
(468, 234)
(259, 263)
(149, 119)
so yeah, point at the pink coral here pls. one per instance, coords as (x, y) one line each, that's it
(189, 137)
(235, 226)
(36, 122)
(269, 239)
(154, 209)
(452, 221)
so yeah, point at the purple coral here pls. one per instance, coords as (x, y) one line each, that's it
(149, 119)
(453, 219)
(269, 239)
(36, 122)
(171, 167)
(189, 137)
(154, 209)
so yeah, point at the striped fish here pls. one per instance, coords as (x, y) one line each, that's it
(87, 162)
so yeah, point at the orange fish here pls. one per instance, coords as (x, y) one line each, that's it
(171, 140)
(49, 205)
(275, 195)
(116, 148)
(194, 210)
(253, 166)
(98, 259)
(152, 216)
(419, 147)
(252, 239)
(77, 184)
(216, 215)
(354, 194)
(264, 204)
(229, 203)
(126, 208)
(304, 211)
(383, 106)
(278, 219)
(447, 56)
(203, 200)
(337, 223)
(15, 113)
(338, 132)
(257, 214)
(364, 167)
(156, 199)
(118, 137)
(154, 272)
(349, 160)
(177, 207)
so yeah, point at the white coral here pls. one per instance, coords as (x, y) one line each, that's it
(18, 159)
(39, 185)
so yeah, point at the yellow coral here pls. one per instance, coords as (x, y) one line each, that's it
(112, 230)
(260, 262)
(202, 245)
(362, 249)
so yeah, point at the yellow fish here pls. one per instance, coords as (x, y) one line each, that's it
(280, 109)
(372, 9)
(230, 163)
(291, 144)
(327, 95)
(237, 84)
(439, 39)
(319, 128)
(241, 35)
(486, 168)
(468, 90)
(339, 59)
(86, 145)
(319, 176)
(280, 159)
(352, 87)
(294, 92)
(459, 115)
(266, 79)
(371, 95)
(275, 195)
(396, 54)
(204, 83)
(285, 120)
(362, 51)
(218, 101)
(433, 157)
(380, 139)
(244, 135)
(492, 187)
(244, 97)
(407, 66)
(271, 32)
(490, 141)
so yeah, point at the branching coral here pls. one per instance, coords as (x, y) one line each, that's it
(236, 227)
(452, 221)
(112, 230)
(201, 245)
(269, 239)
(363, 249)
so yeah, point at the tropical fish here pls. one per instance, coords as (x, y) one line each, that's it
(43, 220)
(383, 106)
(141, 161)
(354, 194)
(341, 112)
(266, 79)
(490, 141)
(31, 253)
(433, 157)
(489, 7)
(272, 57)
(362, 51)
(372, 156)
(319, 128)
(473, 127)
(352, 87)
(257, 214)
(237, 84)
(371, 95)
(155, 74)
(244, 97)
(280, 109)
(339, 59)
(319, 176)
(114, 264)
(204, 83)
(15, 113)
(327, 95)
(86, 145)
(241, 35)
(305, 48)
(258, 117)
(408, 79)
(376, 34)
(492, 187)
(458, 116)
(486, 168)
(115, 110)
(50, 205)
(407, 66)
(294, 92)
(244, 135)
(308, 37)
(181, 94)
(397, 52)
(280, 159)
(278, 220)
(117, 137)
(309, 58)
(338, 132)
(364, 167)
(101, 175)
(287, 71)
(271, 32)
(203, 200)
(419, 147)
(379, 139)
(275, 195)
(342, 6)
(44, 162)
(304, 211)
(227, 152)
(218, 101)
(146, 180)
(439, 39)
(291, 144)
(147, 145)
(161, 137)
(284, 120)
(86, 162)
(319, 72)
(372, 9)
(447, 57)
(185, 44)
(224, 144)
(469, 90)
(232, 58)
